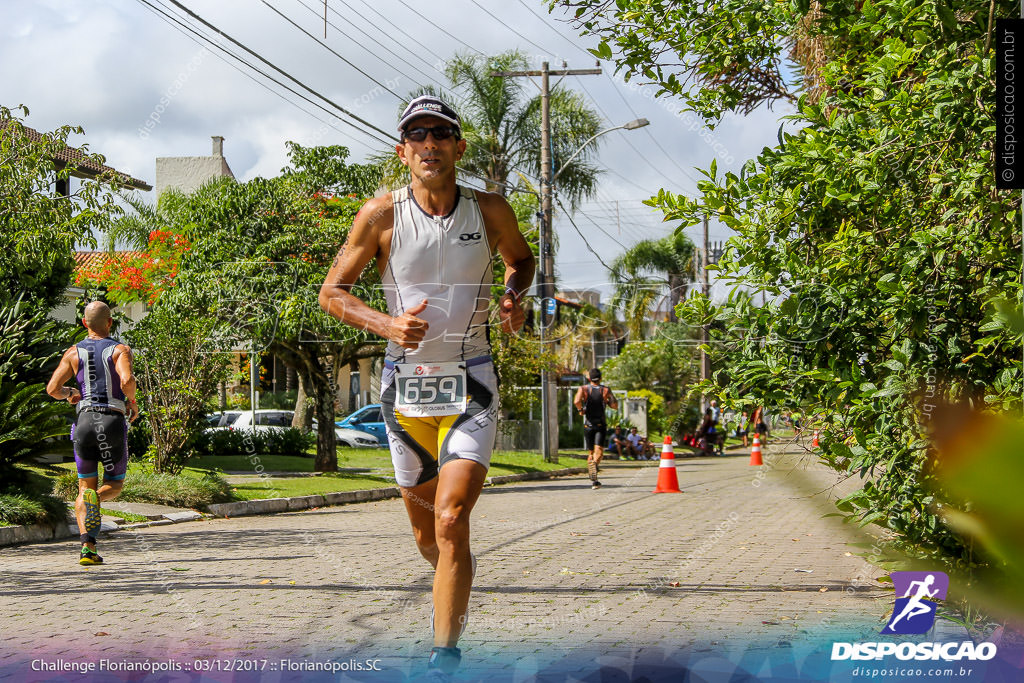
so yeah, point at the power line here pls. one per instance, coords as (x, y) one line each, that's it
(629, 142)
(585, 242)
(462, 170)
(657, 144)
(545, 22)
(442, 30)
(391, 38)
(167, 15)
(596, 225)
(387, 135)
(390, 139)
(395, 26)
(509, 26)
(169, 22)
(330, 49)
(356, 42)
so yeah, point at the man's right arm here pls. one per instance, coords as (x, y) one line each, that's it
(363, 245)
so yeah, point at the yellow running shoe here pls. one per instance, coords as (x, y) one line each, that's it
(89, 557)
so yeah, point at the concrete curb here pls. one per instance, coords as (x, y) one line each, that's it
(36, 533)
(266, 506)
(533, 476)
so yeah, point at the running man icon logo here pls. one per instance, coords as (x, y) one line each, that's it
(914, 612)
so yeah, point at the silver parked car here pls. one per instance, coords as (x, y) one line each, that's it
(268, 419)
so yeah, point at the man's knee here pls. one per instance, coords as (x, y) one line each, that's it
(452, 525)
(113, 489)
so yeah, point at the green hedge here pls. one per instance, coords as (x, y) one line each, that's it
(288, 441)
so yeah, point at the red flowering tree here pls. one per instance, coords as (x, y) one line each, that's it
(138, 276)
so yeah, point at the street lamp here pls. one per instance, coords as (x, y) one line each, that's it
(548, 401)
(632, 125)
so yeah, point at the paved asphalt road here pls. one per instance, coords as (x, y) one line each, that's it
(568, 576)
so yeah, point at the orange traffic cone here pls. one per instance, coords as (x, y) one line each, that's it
(667, 480)
(814, 441)
(755, 452)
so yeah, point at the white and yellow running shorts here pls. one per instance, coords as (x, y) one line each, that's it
(420, 446)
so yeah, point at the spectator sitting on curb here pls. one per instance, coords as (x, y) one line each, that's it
(707, 433)
(638, 445)
(618, 444)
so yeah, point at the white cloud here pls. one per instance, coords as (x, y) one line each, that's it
(106, 65)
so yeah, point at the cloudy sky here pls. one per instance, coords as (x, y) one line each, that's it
(111, 66)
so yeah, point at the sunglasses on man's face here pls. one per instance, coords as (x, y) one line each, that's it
(439, 133)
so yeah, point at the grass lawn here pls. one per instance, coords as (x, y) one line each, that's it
(126, 516)
(375, 464)
(376, 459)
(307, 486)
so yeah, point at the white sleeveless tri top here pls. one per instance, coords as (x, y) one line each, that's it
(447, 261)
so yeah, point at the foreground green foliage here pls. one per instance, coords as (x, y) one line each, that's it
(885, 253)
(30, 346)
(178, 369)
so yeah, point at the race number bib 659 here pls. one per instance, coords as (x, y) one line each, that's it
(430, 389)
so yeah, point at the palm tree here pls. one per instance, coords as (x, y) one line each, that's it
(643, 274)
(501, 125)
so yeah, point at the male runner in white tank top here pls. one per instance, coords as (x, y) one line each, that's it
(433, 243)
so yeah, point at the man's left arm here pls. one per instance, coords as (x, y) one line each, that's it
(519, 261)
(123, 364)
(610, 399)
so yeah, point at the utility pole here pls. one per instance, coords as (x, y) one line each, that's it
(546, 274)
(705, 363)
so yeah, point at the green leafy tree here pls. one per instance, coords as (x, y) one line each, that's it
(179, 367)
(874, 230)
(665, 364)
(649, 272)
(259, 251)
(38, 227)
(715, 57)
(518, 361)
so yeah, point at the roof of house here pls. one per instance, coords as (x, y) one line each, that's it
(83, 166)
(91, 259)
(567, 302)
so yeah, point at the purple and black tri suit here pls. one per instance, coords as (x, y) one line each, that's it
(100, 432)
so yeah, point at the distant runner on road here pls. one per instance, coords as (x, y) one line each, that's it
(433, 242)
(590, 401)
(105, 397)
